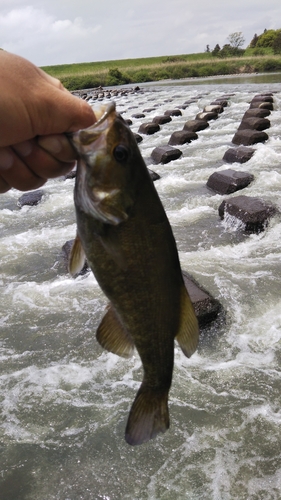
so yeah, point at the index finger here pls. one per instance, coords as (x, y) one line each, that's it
(58, 146)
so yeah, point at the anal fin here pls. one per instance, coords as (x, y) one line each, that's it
(188, 334)
(112, 335)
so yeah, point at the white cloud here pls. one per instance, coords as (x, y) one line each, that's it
(61, 25)
(34, 34)
(65, 31)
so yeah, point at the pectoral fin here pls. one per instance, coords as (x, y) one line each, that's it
(113, 336)
(77, 257)
(188, 334)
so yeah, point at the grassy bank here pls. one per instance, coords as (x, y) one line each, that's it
(108, 73)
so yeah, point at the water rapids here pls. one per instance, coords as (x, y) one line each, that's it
(65, 401)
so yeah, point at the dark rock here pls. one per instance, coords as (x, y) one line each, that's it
(148, 110)
(262, 98)
(70, 175)
(161, 119)
(66, 249)
(210, 108)
(258, 112)
(211, 115)
(138, 137)
(149, 128)
(165, 154)
(228, 181)
(31, 198)
(173, 112)
(195, 125)
(205, 306)
(239, 155)
(138, 115)
(262, 105)
(154, 176)
(182, 137)
(254, 123)
(220, 102)
(248, 137)
(128, 121)
(253, 212)
(191, 101)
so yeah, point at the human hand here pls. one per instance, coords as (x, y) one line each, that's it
(29, 164)
(36, 111)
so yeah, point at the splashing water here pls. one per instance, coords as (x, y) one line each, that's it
(65, 402)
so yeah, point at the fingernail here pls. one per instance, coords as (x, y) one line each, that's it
(6, 159)
(50, 143)
(23, 148)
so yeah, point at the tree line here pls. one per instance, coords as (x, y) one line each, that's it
(268, 41)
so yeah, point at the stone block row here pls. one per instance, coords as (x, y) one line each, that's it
(253, 212)
(166, 153)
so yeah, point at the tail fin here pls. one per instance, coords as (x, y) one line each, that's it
(149, 415)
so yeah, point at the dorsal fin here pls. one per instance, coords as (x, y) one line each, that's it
(112, 335)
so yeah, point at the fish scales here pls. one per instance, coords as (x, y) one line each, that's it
(123, 231)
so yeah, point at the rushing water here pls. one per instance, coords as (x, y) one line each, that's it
(65, 401)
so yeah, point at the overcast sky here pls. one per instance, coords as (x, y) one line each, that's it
(66, 31)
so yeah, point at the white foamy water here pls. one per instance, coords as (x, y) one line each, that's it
(65, 401)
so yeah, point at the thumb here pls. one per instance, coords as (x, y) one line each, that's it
(80, 113)
(74, 112)
(60, 111)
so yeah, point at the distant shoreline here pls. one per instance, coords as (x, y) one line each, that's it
(190, 67)
(275, 77)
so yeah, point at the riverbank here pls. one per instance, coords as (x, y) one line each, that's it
(133, 71)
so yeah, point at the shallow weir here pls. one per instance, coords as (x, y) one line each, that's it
(65, 401)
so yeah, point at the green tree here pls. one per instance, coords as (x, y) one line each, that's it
(277, 43)
(236, 39)
(267, 38)
(216, 51)
(230, 51)
(254, 41)
(226, 51)
(115, 77)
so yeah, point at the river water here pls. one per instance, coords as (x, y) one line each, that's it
(65, 401)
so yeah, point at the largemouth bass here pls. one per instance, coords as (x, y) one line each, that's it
(124, 233)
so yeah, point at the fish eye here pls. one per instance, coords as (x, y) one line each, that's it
(120, 153)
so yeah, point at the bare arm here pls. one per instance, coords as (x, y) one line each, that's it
(36, 111)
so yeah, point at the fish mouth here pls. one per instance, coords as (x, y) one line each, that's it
(105, 114)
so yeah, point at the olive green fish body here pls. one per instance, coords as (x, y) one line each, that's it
(130, 247)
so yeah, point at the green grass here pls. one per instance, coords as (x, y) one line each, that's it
(100, 66)
(108, 73)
